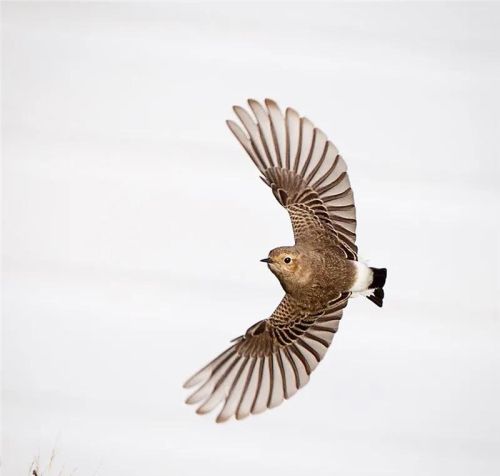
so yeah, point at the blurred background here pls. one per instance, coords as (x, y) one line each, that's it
(133, 223)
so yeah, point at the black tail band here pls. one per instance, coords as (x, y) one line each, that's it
(379, 277)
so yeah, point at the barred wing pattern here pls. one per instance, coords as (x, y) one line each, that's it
(304, 170)
(269, 363)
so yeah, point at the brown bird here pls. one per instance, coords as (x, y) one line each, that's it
(318, 274)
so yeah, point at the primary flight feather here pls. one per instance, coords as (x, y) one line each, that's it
(319, 273)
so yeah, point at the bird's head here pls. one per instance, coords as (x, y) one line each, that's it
(289, 265)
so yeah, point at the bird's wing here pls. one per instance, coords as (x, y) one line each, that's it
(304, 170)
(269, 363)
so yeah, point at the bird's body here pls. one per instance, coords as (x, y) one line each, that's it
(319, 273)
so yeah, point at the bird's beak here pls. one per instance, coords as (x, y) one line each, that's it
(265, 260)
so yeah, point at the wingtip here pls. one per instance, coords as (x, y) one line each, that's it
(233, 126)
(270, 102)
(290, 111)
(253, 103)
(194, 379)
(222, 419)
(305, 119)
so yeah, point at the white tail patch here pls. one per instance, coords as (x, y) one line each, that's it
(364, 278)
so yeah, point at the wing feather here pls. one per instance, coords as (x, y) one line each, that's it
(269, 363)
(278, 128)
(248, 144)
(248, 393)
(304, 170)
(293, 136)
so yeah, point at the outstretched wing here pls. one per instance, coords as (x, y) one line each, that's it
(304, 170)
(269, 363)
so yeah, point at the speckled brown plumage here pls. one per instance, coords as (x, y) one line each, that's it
(308, 177)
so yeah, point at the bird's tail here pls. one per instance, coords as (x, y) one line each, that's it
(377, 285)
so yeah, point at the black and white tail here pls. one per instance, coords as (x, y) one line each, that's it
(377, 285)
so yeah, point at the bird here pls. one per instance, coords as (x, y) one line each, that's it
(319, 273)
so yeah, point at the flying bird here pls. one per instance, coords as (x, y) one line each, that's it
(319, 273)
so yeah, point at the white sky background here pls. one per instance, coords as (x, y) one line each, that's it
(133, 225)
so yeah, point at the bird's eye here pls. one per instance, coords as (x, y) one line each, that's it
(287, 260)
